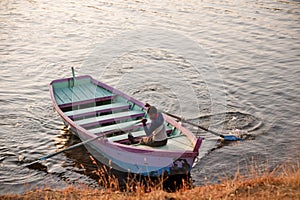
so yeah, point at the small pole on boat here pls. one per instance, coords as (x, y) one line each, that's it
(73, 74)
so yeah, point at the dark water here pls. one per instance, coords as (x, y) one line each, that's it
(253, 48)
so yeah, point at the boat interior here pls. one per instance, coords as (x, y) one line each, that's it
(99, 110)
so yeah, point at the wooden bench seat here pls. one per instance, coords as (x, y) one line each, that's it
(120, 126)
(96, 110)
(88, 101)
(89, 122)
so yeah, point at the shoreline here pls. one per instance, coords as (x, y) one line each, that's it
(281, 183)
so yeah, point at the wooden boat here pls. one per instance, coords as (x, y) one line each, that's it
(91, 108)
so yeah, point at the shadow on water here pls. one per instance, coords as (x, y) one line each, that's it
(38, 166)
(107, 177)
(82, 162)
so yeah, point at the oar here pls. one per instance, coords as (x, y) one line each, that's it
(76, 145)
(225, 137)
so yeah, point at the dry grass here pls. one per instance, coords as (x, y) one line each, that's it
(281, 183)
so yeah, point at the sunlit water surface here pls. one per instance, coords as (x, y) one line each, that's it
(254, 45)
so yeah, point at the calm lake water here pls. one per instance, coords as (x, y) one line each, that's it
(253, 47)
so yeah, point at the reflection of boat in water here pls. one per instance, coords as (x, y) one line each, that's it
(92, 108)
(84, 163)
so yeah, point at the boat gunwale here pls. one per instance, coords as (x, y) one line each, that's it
(153, 151)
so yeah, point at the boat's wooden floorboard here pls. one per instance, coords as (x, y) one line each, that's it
(60, 93)
(175, 143)
(79, 93)
(125, 136)
(135, 134)
(110, 118)
(183, 141)
(87, 101)
(86, 92)
(76, 91)
(117, 127)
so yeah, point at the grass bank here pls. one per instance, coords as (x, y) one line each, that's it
(281, 183)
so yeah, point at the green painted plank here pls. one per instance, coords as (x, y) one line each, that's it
(96, 108)
(87, 93)
(183, 140)
(91, 86)
(70, 94)
(59, 92)
(96, 91)
(172, 145)
(65, 84)
(117, 126)
(125, 136)
(112, 127)
(107, 117)
(58, 99)
(106, 92)
(79, 96)
(102, 92)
